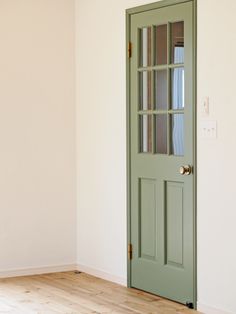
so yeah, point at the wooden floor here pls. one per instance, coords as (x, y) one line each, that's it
(72, 293)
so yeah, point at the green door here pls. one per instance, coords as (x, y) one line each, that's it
(162, 219)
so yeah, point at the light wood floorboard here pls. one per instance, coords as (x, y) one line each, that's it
(71, 293)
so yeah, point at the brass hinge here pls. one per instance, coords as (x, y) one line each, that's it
(129, 50)
(130, 250)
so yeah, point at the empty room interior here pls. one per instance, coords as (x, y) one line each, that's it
(115, 155)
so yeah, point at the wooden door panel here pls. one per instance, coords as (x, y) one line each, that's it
(147, 219)
(174, 234)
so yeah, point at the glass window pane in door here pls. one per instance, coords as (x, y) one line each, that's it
(161, 44)
(177, 88)
(145, 90)
(177, 42)
(160, 90)
(177, 134)
(161, 134)
(145, 39)
(145, 133)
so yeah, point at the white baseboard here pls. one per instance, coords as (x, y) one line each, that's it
(206, 309)
(36, 271)
(61, 268)
(102, 274)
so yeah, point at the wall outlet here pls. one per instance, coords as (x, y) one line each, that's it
(209, 129)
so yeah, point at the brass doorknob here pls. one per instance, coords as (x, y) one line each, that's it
(185, 170)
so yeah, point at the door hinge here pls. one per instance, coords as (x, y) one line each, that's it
(129, 50)
(130, 251)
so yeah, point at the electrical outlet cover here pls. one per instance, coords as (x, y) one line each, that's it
(209, 129)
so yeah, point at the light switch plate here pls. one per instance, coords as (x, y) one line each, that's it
(205, 107)
(209, 129)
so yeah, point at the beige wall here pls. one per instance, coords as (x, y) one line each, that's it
(37, 134)
(101, 145)
(216, 185)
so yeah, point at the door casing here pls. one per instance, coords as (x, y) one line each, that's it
(129, 13)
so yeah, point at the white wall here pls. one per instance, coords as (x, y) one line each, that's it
(37, 134)
(101, 144)
(216, 171)
(101, 135)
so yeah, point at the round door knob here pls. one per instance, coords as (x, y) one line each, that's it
(185, 170)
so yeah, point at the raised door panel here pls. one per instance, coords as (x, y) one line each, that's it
(147, 219)
(174, 224)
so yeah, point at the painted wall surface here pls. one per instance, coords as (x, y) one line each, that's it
(101, 144)
(101, 135)
(37, 134)
(216, 188)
